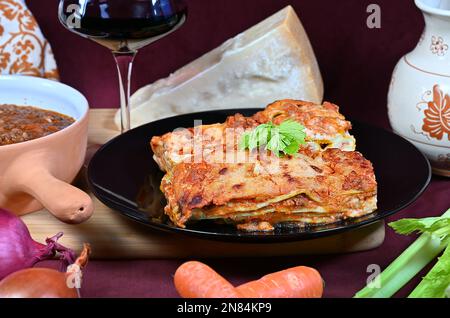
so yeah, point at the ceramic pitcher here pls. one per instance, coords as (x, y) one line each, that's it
(419, 93)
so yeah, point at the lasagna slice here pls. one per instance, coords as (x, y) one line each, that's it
(333, 185)
(325, 128)
(208, 177)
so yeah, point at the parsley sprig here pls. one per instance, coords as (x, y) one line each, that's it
(285, 138)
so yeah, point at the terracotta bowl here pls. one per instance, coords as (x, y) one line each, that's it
(37, 173)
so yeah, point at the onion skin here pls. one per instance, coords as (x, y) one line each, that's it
(19, 251)
(37, 283)
(45, 282)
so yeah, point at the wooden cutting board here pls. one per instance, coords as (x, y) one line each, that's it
(114, 236)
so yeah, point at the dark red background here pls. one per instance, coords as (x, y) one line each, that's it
(356, 64)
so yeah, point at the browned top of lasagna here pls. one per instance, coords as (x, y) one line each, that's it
(324, 126)
(326, 179)
(324, 120)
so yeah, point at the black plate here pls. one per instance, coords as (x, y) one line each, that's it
(123, 175)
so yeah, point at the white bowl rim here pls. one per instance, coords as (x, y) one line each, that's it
(422, 5)
(84, 107)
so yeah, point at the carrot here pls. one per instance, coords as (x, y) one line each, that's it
(197, 280)
(296, 282)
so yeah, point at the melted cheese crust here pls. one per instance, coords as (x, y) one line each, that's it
(325, 182)
(325, 128)
(334, 182)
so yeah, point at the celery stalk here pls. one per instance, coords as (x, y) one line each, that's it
(436, 282)
(406, 266)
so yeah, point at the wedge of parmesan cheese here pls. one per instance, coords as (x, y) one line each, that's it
(272, 60)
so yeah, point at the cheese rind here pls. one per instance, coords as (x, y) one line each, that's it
(270, 61)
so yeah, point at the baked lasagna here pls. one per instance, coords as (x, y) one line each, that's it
(209, 177)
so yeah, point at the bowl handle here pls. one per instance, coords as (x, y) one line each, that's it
(66, 202)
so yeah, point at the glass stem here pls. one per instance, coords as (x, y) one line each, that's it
(124, 63)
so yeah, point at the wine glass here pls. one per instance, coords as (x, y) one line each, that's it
(123, 26)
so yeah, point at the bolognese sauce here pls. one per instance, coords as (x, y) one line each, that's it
(23, 123)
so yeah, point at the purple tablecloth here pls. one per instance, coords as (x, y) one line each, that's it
(343, 274)
(356, 64)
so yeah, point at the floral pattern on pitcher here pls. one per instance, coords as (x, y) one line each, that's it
(419, 99)
(437, 115)
(438, 46)
(23, 48)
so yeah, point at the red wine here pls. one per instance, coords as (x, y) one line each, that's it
(126, 25)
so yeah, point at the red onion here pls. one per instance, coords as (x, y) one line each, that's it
(18, 250)
(46, 282)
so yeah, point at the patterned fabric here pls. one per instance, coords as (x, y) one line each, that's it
(23, 48)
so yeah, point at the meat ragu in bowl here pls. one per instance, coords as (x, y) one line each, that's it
(24, 123)
(42, 149)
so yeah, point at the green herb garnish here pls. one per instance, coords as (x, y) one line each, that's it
(285, 138)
